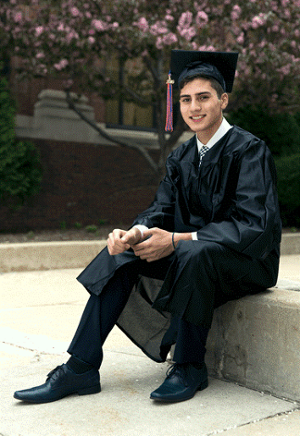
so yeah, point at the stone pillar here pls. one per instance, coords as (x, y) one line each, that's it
(54, 120)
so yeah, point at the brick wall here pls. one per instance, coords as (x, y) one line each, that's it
(84, 183)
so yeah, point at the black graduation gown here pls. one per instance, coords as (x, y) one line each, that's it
(231, 202)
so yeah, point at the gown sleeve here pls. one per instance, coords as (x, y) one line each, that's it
(161, 211)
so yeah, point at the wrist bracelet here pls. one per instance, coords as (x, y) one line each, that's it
(173, 240)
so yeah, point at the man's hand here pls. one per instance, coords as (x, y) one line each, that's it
(121, 240)
(158, 245)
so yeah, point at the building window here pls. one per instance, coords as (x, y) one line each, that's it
(121, 113)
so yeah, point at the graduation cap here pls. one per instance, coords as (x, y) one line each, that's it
(220, 66)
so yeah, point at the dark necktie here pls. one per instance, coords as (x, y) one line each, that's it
(202, 152)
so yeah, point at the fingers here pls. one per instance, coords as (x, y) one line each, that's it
(158, 244)
(121, 240)
(132, 236)
(115, 244)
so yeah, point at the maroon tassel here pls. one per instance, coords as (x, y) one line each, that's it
(169, 120)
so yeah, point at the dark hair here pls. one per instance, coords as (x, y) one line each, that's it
(213, 82)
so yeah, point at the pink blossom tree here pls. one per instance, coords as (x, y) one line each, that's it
(74, 37)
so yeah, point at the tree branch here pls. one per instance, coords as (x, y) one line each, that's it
(105, 135)
(136, 97)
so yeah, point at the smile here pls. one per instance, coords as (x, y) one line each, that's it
(197, 118)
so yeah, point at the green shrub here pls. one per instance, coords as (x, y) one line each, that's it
(63, 225)
(288, 171)
(281, 132)
(20, 170)
(91, 228)
(297, 118)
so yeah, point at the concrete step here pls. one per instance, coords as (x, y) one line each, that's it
(255, 341)
(33, 256)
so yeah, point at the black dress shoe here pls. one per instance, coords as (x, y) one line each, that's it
(61, 382)
(182, 382)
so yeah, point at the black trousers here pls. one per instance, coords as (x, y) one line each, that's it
(102, 312)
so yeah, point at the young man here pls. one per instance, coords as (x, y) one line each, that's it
(211, 235)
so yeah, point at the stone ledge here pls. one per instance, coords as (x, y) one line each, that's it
(254, 341)
(290, 243)
(29, 256)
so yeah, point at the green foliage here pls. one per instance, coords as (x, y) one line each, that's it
(281, 132)
(288, 171)
(30, 235)
(102, 222)
(63, 225)
(297, 118)
(20, 171)
(91, 228)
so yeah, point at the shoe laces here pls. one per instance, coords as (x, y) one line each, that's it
(56, 372)
(180, 369)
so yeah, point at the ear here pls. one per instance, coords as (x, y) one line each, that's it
(224, 100)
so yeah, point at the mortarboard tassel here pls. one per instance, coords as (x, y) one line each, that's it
(169, 120)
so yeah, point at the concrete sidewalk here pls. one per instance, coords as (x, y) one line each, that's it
(40, 311)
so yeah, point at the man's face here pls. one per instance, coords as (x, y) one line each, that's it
(201, 108)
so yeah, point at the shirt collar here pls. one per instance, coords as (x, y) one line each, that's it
(222, 130)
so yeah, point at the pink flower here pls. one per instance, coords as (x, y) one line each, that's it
(159, 43)
(39, 30)
(169, 17)
(158, 28)
(91, 39)
(207, 48)
(257, 21)
(240, 38)
(99, 25)
(236, 12)
(285, 70)
(169, 39)
(75, 12)
(185, 20)
(72, 35)
(61, 64)
(188, 34)
(18, 17)
(201, 19)
(142, 24)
